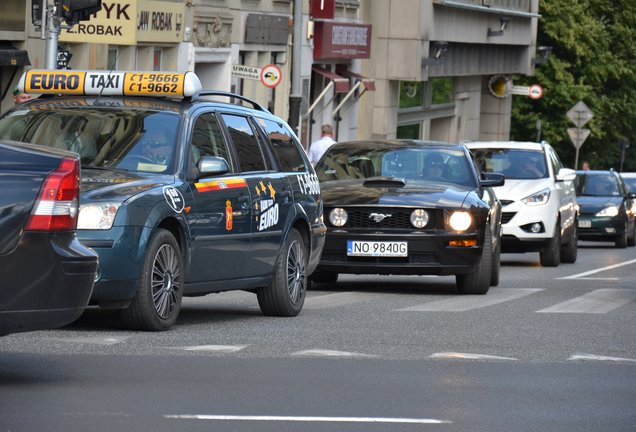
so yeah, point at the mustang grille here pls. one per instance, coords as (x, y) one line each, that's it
(360, 217)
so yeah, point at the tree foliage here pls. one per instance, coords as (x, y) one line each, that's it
(593, 60)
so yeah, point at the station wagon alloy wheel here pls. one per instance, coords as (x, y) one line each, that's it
(166, 281)
(296, 272)
(285, 295)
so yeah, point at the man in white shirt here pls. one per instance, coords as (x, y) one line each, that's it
(319, 147)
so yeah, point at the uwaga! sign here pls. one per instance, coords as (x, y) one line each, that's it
(126, 22)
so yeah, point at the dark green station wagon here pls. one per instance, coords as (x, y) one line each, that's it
(181, 195)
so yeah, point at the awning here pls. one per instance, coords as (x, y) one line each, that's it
(369, 83)
(341, 83)
(360, 81)
(11, 56)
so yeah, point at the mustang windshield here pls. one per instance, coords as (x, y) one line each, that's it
(129, 139)
(445, 165)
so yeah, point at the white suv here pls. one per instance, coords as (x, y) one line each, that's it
(539, 209)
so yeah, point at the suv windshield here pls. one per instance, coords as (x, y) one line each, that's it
(512, 163)
(596, 185)
(128, 139)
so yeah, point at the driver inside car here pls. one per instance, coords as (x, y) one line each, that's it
(156, 147)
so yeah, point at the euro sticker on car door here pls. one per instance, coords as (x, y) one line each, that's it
(377, 248)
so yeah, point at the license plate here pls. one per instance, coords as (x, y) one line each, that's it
(377, 248)
(585, 224)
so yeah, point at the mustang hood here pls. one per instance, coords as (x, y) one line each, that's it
(396, 192)
(101, 184)
(594, 204)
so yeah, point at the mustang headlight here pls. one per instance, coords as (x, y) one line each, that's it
(460, 220)
(538, 198)
(609, 211)
(98, 216)
(419, 218)
(338, 217)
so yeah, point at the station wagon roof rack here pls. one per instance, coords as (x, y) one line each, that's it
(254, 104)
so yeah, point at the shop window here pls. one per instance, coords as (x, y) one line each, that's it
(411, 131)
(411, 94)
(157, 59)
(442, 91)
(113, 57)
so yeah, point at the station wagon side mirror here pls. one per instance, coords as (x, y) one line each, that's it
(212, 165)
(566, 174)
(490, 179)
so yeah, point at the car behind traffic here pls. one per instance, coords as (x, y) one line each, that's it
(608, 209)
(409, 207)
(46, 273)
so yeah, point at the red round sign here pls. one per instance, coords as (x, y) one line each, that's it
(271, 75)
(535, 92)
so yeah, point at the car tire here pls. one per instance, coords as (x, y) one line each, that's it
(285, 295)
(550, 256)
(325, 277)
(496, 265)
(569, 251)
(157, 303)
(478, 281)
(632, 241)
(621, 240)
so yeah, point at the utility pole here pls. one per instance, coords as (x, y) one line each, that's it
(295, 97)
(54, 27)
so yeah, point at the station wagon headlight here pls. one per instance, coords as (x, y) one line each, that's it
(538, 198)
(99, 216)
(419, 218)
(609, 211)
(460, 220)
(338, 217)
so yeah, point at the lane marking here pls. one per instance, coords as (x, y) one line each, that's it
(470, 302)
(336, 299)
(599, 301)
(100, 340)
(311, 419)
(598, 279)
(467, 356)
(213, 348)
(579, 275)
(599, 358)
(330, 353)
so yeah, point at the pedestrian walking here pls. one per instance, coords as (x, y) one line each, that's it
(319, 147)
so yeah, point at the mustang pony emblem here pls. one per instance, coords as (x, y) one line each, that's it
(379, 217)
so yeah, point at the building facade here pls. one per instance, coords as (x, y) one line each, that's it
(428, 69)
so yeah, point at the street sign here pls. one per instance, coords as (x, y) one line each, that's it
(520, 90)
(535, 92)
(248, 72)
(580, 114)
(578, 136)
(271, 75)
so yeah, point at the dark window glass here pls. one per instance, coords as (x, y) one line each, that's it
(245, 143)
(207, 139)
(512, 163)
(597, 185)
(284, 145)
(411, 131)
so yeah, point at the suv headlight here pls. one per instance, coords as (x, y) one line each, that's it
(537, 198)
(97, 216)
(610, 211)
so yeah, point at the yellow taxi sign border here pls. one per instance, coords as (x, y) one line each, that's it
(110, 83)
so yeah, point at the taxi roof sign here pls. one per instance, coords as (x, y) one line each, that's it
(110, 83)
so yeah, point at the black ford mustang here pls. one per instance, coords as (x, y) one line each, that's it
(409, 207)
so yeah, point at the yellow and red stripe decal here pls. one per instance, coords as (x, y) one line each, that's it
(229, 183)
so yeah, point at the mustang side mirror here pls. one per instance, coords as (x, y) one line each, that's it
(492, 180)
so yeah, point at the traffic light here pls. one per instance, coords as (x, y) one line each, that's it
(74, 11)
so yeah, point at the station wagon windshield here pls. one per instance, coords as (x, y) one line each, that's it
(127, 139)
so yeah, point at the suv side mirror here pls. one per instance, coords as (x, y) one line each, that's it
(212, 165)
(566, 174)
(492, 180)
